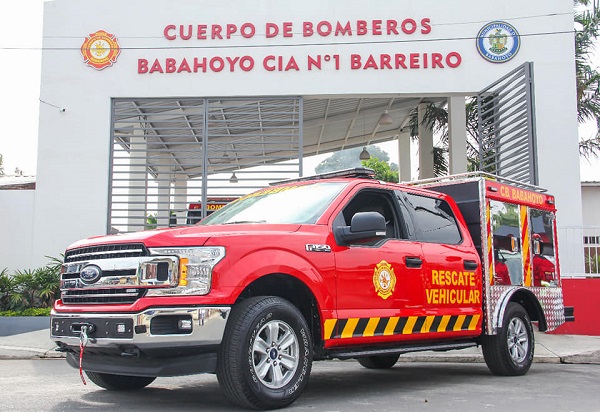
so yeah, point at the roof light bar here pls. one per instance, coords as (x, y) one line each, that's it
(361, 172)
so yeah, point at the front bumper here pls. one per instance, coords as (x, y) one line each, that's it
(149, 343)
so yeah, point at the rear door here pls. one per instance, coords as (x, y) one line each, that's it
(451, 270)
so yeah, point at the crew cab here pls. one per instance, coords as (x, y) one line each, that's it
(332, 266)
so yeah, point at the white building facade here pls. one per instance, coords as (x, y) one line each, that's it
(282, 49)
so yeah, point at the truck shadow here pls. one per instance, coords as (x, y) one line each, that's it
(339, 384)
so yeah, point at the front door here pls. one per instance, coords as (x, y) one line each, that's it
(379, 283)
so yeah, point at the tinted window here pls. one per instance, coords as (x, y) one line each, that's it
(371, 201)
(542, 226)
(433, 220)
(506, 238)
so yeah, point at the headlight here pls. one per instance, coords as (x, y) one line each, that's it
(195, 268)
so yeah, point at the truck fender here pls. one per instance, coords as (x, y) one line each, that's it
(525, 298)
(266, 262)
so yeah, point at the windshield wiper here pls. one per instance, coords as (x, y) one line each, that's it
(237, 222)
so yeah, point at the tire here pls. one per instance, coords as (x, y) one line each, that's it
(379, 362)
(260, 333)
(510, 352)
(119, 382)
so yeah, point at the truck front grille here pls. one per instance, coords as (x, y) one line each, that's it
(124, 272)
(96, 296)
(106, 252)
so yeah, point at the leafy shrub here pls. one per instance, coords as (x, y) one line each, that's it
(27, 312)
(7, 287)
(30, 289)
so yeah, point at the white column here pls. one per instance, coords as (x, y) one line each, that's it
(404, 164)
(164, 178)
(180, 199)
(425, 146)
(457, 134)
(137, 191)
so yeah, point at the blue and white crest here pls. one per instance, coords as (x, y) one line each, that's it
(498, 42)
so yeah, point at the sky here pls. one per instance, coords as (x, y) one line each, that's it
(20, 68)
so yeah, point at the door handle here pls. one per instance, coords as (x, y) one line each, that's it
(413, 262)
(470, 265)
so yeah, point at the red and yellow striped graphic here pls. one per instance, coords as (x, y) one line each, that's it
(525, 245)
(368, 327)
(490, 252)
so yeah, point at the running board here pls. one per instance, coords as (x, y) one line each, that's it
(362, 352)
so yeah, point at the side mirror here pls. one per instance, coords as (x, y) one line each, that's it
(364, 226)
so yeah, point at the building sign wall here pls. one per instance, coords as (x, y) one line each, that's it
(387, 30)
(241, 48)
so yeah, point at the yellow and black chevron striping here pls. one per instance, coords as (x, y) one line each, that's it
(366, 327)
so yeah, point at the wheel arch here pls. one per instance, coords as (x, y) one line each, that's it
(295, 291)
(527, 300)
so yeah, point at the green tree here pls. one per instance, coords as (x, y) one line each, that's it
(151, 221)
(587, 76)
(436, 120)
(349, 158)
(382, 169)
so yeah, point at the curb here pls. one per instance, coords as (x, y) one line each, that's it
(591, 358)
(22, 353)
(587, 358)
(473, 359)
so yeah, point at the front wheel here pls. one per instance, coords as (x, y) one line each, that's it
(510, 352)
(266, 355)
(119, 382)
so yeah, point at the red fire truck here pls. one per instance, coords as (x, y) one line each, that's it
(194, 214)
(333, 266)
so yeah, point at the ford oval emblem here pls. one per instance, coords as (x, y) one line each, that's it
(90, 274)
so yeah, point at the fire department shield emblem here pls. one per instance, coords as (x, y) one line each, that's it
(100, 50)
(384, 279)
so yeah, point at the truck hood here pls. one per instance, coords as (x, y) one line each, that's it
(187, 236)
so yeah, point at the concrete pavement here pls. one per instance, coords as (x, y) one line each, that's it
(29, 345)
(549, 348)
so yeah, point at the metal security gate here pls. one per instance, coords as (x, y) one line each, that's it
(173, 161)
(506, 127)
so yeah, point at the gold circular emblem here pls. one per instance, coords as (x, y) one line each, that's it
(100, 50)
(384, 279)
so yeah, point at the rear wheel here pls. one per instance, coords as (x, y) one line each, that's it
(119, 382)
(266, 355)
(510, 352)
(378, 362)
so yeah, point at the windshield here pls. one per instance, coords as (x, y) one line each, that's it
(283, 204)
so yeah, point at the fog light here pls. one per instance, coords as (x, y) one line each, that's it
(121, 328)
(185, 324)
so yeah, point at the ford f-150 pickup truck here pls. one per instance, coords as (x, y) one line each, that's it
(332, 266)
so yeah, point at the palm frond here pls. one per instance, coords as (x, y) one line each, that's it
(587, 76)
(589, 148)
